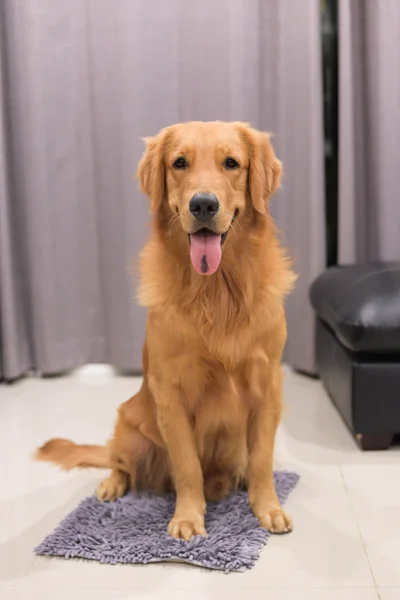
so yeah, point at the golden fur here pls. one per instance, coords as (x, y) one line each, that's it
(205, 418)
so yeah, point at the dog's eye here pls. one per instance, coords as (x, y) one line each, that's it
(180, 163)
(231, 163)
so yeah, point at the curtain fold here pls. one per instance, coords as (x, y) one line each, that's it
(291, 105)
(86, 79)
(369, 130)
(15, 349)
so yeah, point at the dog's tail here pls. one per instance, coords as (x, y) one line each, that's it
(69, 455)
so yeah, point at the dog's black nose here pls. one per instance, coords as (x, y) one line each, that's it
(204, 206)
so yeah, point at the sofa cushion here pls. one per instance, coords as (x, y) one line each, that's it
(361, 304)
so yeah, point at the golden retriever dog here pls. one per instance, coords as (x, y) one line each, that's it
(213, 277)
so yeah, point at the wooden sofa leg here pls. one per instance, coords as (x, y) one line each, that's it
(378, 441)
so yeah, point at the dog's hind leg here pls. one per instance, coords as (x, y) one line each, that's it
(115, 486)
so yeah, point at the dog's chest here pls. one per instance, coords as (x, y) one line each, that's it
(214, 389)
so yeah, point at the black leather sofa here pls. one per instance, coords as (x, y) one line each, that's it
(358, 347)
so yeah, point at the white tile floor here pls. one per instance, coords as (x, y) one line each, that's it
(346, 543)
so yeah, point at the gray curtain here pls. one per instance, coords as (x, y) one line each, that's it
(83, 80)
(369, 134)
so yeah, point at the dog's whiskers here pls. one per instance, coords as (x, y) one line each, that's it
(173, 221)
(234, 220)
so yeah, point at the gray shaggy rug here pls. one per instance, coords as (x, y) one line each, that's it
(133, 529)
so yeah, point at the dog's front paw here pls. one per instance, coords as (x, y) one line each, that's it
(186, 526)
(275, 520)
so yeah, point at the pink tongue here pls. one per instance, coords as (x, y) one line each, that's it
(205, 252)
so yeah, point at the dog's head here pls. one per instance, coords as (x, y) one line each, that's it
(208, 175)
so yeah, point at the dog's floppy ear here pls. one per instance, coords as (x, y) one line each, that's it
(265, 169)
(151, 170)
